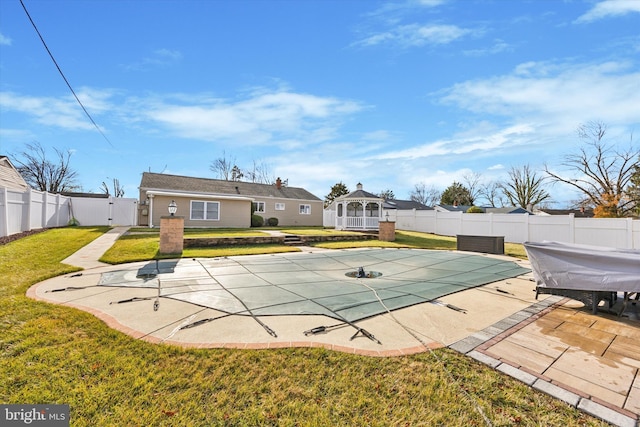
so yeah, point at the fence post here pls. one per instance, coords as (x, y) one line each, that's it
(4, 231)
(629, 233)
(572, 228)
(490, 223)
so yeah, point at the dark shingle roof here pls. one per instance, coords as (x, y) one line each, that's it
(160, 181)
(405, 204)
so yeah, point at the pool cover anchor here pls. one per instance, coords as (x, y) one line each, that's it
(359, 330)
(451, 306)
(134, 299)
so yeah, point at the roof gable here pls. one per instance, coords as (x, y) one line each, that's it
(160, 181)
(10, 177)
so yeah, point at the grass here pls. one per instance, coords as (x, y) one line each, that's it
(58, 354)
(141, 244)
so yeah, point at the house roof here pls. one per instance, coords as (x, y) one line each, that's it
(179, 183)
(507, 210)
(405, 204)
(452, 208)
(9, 175)
(587, 213)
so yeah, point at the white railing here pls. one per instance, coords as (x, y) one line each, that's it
(359, 222)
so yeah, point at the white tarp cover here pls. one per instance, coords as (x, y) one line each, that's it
(582, 267)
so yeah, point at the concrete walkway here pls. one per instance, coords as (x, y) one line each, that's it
(591, 362)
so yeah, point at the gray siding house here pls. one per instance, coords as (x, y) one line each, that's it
(205, 202)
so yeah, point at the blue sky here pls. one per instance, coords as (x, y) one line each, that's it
(387, 93)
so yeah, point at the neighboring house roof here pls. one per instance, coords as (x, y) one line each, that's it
(507, 210)
(178, 183)
(10, 177)
(452, 208)
(405, 205)
(578, 213)
(85, 195)
(465, 208)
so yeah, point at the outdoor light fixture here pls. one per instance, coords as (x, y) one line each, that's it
(173, 208)
(387, 216)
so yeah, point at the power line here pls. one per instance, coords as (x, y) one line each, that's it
(62, 74)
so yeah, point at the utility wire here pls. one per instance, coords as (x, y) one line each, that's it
(62, 74)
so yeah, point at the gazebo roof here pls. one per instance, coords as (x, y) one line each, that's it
(360, 194)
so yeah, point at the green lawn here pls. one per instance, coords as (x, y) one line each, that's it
(58, 354)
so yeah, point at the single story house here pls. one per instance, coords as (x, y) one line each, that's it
(10, 177)
(205, 202)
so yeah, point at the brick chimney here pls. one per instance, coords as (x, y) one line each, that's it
(278, 183)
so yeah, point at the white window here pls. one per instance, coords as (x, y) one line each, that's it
(305, 209)
(279, 206)
(205, 210)
(259, 207)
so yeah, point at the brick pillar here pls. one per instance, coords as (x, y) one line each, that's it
(171, 234)
(387, 231)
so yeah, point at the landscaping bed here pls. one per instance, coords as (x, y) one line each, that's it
(203, 242)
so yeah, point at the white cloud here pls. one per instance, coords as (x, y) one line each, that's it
(158, 58)
(498, 46)
(555, 93)
(609, 8)
(59, 112)
(472, 141)
(4, 40)
(261, 118)
(415, 35)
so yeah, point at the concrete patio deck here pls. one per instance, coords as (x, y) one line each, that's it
(553, 344)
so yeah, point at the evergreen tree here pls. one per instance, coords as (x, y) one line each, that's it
(633, 189)
(456, 194)
(339, 189)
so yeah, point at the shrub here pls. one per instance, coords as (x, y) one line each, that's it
(475, 209)
(272, 222)
(257, 221)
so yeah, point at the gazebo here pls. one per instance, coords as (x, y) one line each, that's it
(358, 210)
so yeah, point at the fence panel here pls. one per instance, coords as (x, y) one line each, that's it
(613, 232)
(31, 209)
(514, 227)
(519, 228)
(124, 211)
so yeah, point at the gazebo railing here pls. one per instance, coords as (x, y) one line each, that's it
(359, 222)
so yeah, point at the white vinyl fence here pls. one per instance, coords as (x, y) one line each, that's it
(519, 228)
(31, 209)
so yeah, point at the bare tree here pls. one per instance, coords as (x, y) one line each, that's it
(118, 190)
(524, 187)
(53, 176)
(603, 172)
(492, 193)
(260, 173)
(472, 181)
(223, 166)
(428, 196)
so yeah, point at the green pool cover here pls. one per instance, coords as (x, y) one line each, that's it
(320, 283)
